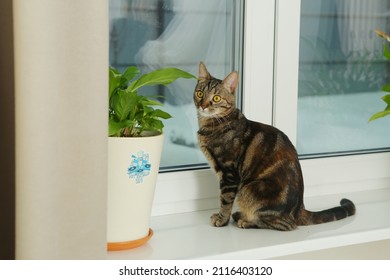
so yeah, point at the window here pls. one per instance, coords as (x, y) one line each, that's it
(348, 173)
(277, 71)
(153, 34)
(341, 72)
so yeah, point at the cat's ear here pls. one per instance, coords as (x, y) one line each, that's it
(203, 73)
(231, 82)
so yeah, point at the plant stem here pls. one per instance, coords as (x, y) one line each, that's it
(126, 132)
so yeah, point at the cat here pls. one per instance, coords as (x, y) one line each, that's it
(256, 164)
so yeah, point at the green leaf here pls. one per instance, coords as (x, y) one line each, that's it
(386, 88)
(161, 114)
(114, 80)
(119, 81)
(163, 76)
(383, 113)
(131, 114)
(150, 102)
(386, 51)
(157, 125)
(379, 115)
(129, 74)
(114, 128)
(153, 124)
(146, 111)
(386, 98)
(125, 104)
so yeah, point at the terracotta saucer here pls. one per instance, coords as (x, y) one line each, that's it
(117, 246)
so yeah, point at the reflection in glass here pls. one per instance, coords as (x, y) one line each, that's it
(152, 34)
(341, 72)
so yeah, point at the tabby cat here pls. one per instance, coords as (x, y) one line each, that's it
(256, 163)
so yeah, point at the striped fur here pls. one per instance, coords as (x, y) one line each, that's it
(256, 164)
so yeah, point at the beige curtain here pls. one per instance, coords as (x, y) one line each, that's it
(61, 81)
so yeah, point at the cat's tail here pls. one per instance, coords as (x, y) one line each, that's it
(346, 209)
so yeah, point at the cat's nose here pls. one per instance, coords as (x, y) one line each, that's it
(204, 106)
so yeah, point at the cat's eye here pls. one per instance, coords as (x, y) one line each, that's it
(217, 98)
(199, 94)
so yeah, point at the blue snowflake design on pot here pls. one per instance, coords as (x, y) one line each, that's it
(140, 167)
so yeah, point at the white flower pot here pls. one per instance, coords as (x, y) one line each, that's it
(133, 165)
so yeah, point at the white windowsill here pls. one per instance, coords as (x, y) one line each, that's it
(189, 235)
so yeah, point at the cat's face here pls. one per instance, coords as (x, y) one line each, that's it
(213, 97)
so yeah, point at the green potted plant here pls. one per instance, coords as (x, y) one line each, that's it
(386, 87)
(134, 152)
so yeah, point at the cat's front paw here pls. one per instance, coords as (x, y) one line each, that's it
(243, 224)
(218, 220)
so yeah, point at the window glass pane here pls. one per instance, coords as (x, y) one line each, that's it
(153, 34)
(341, 73)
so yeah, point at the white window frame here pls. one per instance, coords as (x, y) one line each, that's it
(338, 174)
(270, 83)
